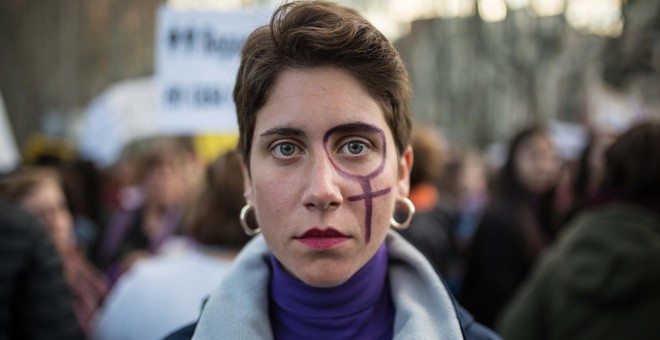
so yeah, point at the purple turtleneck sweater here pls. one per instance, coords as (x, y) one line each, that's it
(360, 308)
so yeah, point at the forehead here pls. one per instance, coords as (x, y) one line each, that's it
(542, 143)
(44, 192)
(535, 148)
(322, 97)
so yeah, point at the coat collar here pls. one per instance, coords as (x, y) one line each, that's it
(238, 309)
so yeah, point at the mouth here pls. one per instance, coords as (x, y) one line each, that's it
(325, 239)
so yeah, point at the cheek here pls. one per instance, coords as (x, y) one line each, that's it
(66, 220)
(384, 205)
(273, 201)
(383, 212)
(530, 171)
(524, 167)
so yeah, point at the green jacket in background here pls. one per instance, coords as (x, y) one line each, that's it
(601, 281)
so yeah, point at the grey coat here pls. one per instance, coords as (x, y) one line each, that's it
(238, 309)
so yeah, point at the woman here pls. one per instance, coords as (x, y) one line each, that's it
(516, 227)
(323, 104)
(39, 191)
(601, 279)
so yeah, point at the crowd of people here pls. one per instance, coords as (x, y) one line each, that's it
(537, 248)
(499, 237)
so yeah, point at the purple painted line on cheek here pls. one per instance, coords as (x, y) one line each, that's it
(367, 194)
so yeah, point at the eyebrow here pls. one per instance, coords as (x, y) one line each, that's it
(355, 127)
(282, 131)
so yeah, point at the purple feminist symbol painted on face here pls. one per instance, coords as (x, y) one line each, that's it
(368, 194)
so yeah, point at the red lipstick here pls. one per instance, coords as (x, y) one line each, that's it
(323, 239)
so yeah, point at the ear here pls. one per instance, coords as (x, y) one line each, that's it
(405, 165)
(247, 181)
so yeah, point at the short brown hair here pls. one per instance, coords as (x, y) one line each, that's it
(304, 35)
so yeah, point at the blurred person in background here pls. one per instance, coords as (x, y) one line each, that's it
(601, 280)
(165, 292)
(167, 176)
(35, 299)
(464, 185)
(472, 195)
(517, 226)
(83, 185)
(39, 191)
(588, 171)
(432, 228)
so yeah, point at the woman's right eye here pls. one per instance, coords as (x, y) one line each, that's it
(284, 150)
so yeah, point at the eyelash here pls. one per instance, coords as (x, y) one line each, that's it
(365, 145)
(297, 150)
(276, 149)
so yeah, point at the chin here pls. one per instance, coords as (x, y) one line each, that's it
(323, 278)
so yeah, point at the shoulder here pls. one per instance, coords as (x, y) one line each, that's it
(32, 275)
(471, 328)
(24, 242)
(610, 227)
(616, 214)
(417, 289)
(18, 224)
(183, 333)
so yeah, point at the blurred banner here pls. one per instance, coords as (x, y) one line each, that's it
(9, 157)
(124, 112)
(197, 57)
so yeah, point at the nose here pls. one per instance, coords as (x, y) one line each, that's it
(322, 191)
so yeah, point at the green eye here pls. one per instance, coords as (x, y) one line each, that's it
(354, 148)
(285, 149)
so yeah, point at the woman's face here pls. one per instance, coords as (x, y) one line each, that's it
(47, 203)
(165, 183)
(324, 174)
(537, 164)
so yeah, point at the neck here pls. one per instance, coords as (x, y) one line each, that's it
(358, 308)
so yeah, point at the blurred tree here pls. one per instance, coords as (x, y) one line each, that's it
(632, 61)
(483, 80)
(56, 55)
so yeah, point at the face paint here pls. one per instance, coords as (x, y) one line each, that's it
(303, 108)
(368, 194)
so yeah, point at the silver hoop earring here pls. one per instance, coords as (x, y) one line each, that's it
(411, 212)
(243, 217)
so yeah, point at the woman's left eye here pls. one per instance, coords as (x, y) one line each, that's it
(284, 150)
(354, 148)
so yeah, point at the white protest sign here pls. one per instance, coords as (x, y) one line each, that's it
(124, 112)
(9, 157)
(197, 58)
